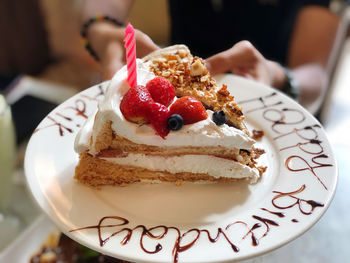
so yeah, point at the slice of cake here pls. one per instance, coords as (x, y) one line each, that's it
(146, 133)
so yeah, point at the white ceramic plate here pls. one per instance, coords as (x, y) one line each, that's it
(194, 222)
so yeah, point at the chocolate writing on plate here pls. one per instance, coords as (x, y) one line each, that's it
(123, 229)
(67, 119)
(308, 150)
(305, 206)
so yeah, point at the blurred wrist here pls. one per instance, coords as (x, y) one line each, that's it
(291, 87)
(283, 79)
(101, 34)
(278, 75)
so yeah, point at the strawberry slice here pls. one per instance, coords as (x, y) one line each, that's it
(158, 114)
(190, 109)
(134, 102)
(161, 90)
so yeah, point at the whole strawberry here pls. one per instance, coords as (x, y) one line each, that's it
(161, 90)
(190, 109)
(134, 102)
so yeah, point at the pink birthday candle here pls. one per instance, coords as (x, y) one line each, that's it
(130, 46)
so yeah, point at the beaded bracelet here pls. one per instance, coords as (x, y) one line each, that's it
(87, 24)
(291, 88)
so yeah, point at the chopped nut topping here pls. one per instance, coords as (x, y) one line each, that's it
(223, 91)
(166, 74)
(190, 77)
(181, 79)
(204, 78)
(182, 54)
(257, 134)
(197, 68)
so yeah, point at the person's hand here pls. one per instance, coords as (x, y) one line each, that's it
(245, 60)
(107, 41)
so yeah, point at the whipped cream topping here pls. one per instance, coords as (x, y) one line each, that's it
(199, 134)
(82, 140)
(203, 164)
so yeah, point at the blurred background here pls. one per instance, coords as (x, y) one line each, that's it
(43, 62)
(49, 48)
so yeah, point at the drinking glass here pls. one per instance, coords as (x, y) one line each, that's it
(9, 224)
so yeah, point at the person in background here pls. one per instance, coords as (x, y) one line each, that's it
(257, 39)
(23, 45)
(284, 44)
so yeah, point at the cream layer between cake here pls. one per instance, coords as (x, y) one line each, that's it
(201, 164)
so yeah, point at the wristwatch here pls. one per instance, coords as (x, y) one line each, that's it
(291, 87)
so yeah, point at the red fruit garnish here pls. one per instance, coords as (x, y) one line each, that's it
(161, 90)
(138, 106)
(190, 109)
(158, 114)
(134, 102)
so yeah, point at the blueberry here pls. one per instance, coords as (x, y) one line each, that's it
(175, 122)
(219, 117)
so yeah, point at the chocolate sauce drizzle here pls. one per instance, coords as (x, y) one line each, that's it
(300, 132)
(63, 119)
(101, 92)
(79, 108)
(263, 102)
(255, 240)
(307, 166)
(279, 214)
(147, 232)
(282, 120)
(308, 135)
(178, 246)
(301, 203)
(61, 127)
